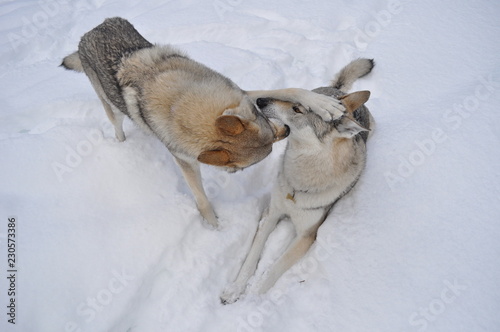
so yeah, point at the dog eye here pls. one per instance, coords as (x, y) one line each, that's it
(296, 109)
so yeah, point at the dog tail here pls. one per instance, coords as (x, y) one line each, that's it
(350, 73)
(72, 62)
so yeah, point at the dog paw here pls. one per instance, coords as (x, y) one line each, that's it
(328, 108)
(210, 218)
(231, 294)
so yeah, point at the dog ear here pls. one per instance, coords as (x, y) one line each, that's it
(230, 125)
(349, 127)
(214, 157)
(354, 100)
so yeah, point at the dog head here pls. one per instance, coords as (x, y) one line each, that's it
(245, 137)
(304, 123)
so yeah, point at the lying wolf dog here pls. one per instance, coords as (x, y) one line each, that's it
(200, 115)
(322, 162)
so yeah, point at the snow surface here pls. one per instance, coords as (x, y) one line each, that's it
(108, 235)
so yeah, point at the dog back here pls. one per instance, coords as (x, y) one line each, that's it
(101, 50)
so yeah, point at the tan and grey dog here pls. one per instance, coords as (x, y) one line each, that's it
(322, 162)
(200, 115)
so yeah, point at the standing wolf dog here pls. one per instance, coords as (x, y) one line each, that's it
(322, 162)
(200, 115)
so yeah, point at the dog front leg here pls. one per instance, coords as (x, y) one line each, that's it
(191, 172)
(233, 292)
(327, 107)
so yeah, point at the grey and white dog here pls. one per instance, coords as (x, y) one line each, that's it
(322, 162)
(200, 115)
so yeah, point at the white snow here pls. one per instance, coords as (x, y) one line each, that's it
(108, 237)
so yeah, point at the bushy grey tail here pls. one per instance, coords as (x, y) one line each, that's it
(350, 73)
(72, 62)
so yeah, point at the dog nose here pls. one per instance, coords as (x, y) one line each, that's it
(262, 102)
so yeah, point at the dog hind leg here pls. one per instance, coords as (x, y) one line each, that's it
(114, 115)
(116, 119)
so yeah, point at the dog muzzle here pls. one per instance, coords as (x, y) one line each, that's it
(280, 130)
